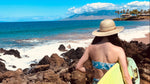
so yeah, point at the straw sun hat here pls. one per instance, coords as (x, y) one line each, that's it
(107, 27)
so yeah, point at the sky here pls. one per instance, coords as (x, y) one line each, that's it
(50, 10)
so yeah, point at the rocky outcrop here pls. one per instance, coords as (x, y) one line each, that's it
(16, 53)
(2, 50)
(2, 67)
(7, 76)
(57, 63)
(57, 70)
(140, 52)
(62, 48)
(45, 60)
(38, 68)
(74, 54)
(78, 77)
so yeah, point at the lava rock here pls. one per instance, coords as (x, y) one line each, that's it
(71, 54)
(12, 80)
(79, 52)
(1, 77)
(78, 77)
(2, 67)
(26, 70)
(13, 66)
(50, 76)
(2, 50)
(57, 63)
(62, 48)
(38, 68)
(16, 53)
(66, 76)
(74, 54)
(45, 60)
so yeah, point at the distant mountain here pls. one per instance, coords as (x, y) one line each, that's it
(102, 14)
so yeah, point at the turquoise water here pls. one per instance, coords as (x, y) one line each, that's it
(12, 32)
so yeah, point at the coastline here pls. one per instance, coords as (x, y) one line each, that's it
(133, 18)
(49, 45)
(145, 40)
(45, 56)
(60, 68)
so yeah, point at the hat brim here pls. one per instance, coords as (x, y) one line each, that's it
(108, 33)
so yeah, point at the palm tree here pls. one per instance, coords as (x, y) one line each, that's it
(145, 12)
(135, 11)
(141, 12)
(127, 12)
(117, 13)
(131, 12)
(148, 11)
(123, 11)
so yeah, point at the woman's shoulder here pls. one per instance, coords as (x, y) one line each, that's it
(112, 47)
(106, 45)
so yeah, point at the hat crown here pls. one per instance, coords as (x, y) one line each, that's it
(107, 25)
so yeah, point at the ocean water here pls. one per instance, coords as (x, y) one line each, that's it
(22, 34)
(34, 40)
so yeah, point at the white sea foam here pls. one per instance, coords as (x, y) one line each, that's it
(35, 53)
(29, 40)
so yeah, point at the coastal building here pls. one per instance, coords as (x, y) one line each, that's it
(125, 15)
(148, 14)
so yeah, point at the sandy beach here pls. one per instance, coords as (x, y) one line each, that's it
(145, 40)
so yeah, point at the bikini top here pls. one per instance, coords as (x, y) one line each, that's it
(100, 65)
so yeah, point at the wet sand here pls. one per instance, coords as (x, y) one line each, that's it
(145, 40)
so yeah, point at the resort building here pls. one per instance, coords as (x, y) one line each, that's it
(125, 15)
(148, 14)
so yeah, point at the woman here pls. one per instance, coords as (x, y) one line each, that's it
(105, 51)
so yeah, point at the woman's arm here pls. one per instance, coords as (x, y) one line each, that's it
(82, 60)
(124, 67)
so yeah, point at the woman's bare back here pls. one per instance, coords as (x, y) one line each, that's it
(105, 53)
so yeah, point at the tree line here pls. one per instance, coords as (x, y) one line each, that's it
(134, 12)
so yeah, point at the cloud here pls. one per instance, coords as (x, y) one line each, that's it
(92, 7)
(137, 5)
(108, 6)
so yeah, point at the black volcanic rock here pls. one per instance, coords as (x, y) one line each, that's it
(147, 51)
(2, 50)
(39, 68)
(57, 63)
(78, 77)
(2, 60)
(16, 53)
(62, 48)
(74, 54)
(57, 70)
(79, 52)
(70, 54)
(2, 67)
(45, 60)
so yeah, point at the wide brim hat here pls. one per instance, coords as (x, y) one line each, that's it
(107, 28)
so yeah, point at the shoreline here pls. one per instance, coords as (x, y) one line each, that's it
(133, 18)
(49, 45)
(145, 39)
(61, 70)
